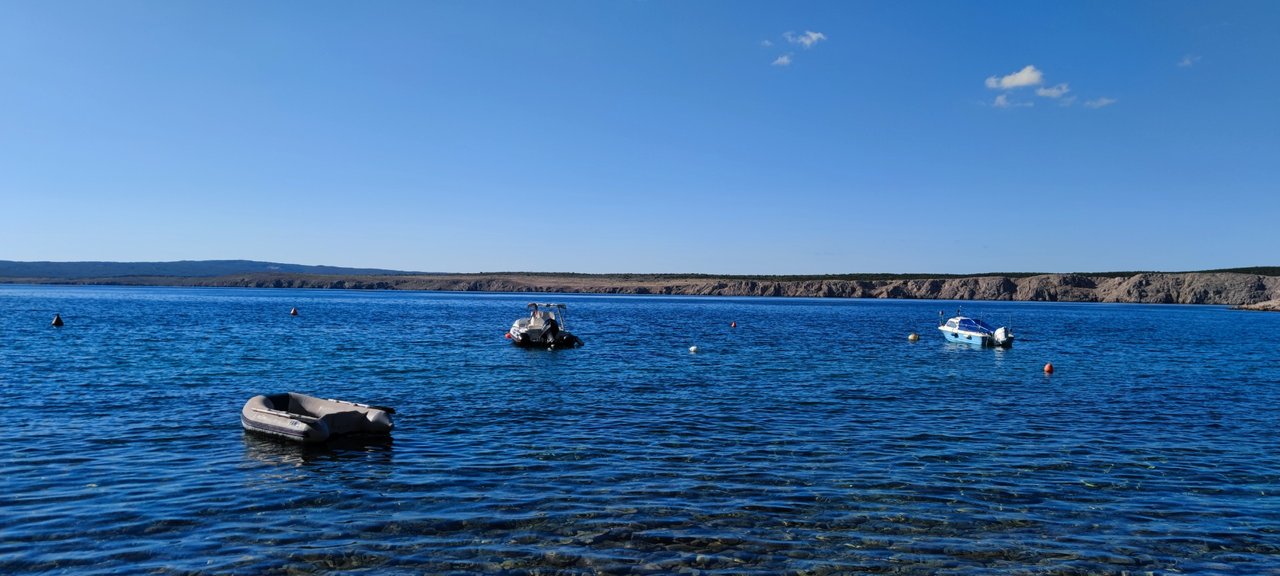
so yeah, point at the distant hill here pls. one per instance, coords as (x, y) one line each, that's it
(1236, 286)
(1232, 288)
(181, 269)
(864, 276)
(54, 271)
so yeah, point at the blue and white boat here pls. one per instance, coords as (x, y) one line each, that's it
(967, 330)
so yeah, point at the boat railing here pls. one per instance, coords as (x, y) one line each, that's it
(554, 311)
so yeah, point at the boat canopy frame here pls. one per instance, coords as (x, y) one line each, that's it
(965, 323)
(556, 311)
(974, 325)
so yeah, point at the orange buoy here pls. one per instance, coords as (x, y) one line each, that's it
(293, 311)
(733, 324)
(507, 335)
(1048, 368)
(57, 320)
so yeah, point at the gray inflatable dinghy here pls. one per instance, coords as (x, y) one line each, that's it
(309, 419)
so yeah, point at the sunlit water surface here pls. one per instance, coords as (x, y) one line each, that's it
(812, 438)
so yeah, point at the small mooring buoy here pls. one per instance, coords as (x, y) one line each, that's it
(733, 324)
(293, 311)
(57, 320)
(693, 349)
(1048, 368)
(912, 337)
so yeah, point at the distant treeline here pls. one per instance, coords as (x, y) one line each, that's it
(222, 268)
(869, 277)
(1232, 287)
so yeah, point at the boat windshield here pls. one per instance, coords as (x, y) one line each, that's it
(546, 312)
(974, 325)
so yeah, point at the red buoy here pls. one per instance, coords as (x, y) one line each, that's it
(507, 335)
(57, 320)
(1048, 368)
(733, 324)
(293, 312)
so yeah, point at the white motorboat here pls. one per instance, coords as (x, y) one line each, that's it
(544, 327)
(967, 330)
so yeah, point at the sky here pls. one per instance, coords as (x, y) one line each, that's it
(718, 137)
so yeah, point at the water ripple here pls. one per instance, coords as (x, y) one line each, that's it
(783, 446)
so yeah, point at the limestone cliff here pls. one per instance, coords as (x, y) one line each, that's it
(1164, 288)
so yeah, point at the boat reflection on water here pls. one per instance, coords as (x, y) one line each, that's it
(278, 452)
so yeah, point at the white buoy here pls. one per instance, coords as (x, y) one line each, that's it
(693, 349)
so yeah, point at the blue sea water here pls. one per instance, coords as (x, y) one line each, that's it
(813, 438)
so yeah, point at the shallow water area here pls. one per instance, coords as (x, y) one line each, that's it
(812, 438)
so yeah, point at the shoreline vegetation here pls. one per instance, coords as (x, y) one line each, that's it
(1246, 288)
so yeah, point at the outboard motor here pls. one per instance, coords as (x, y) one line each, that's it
(1002, 336)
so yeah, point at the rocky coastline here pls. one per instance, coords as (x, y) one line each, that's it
(1221, 288)
(1268, 306)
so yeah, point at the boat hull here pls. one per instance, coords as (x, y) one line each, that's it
(287, 429)
(301, 418)
(562, 340)
(974, 338)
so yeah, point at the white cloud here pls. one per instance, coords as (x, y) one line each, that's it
(766, 43)
(783, 60)
(1028, 76)
(1099, 102)
(1002, 101)
(1069, 100)
(1188, 61)
(1054, 92)
(808, 39)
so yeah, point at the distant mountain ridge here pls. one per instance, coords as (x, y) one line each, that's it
(180, 269)
(1238, 286)
(44, 270)
(1231, 288)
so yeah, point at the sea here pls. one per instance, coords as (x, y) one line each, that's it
(812, 437)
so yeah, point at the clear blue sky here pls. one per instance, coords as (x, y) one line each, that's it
(662, 136)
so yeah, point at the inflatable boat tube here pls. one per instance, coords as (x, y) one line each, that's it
(308, 419)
